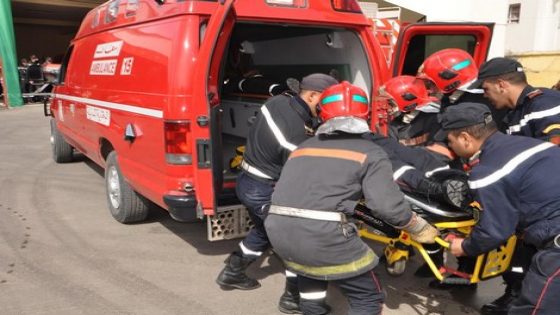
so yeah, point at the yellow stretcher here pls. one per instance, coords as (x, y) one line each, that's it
(397, 250)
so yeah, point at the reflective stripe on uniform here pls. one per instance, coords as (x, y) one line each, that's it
(532, 116)
(550, 128)
(307, 214)
(313, 295)
(247, 251)
(331, 153)
(290, 274)
(349, 267)
(276, 131)
(253, 170)
(435, 170)
(509, 166)
(398, 173)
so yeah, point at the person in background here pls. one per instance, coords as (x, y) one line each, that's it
(283, 123)
(510, 178)
(23, 62)
(33, 60)
(320, 185)
(533, 113)
(48, 61)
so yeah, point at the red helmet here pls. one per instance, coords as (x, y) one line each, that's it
(449, 69)
(407, 92)
(343, 99)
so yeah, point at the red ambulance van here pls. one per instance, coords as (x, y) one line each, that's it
(143, 90)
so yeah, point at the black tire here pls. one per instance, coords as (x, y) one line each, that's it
(62, 152)
(126, 205)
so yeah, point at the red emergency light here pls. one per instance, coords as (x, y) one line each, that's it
(346, 6)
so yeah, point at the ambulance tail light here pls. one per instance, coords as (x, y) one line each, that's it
(178, 146)
(287, 3)
(346, 6)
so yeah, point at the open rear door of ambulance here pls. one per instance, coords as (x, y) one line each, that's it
(214, 39)
(418, 41)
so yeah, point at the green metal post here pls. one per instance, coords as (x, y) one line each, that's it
(8, 55)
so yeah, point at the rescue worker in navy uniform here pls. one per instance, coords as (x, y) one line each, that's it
(320, 185)
(510, 178)
(280, 127)
(413, 166)
(533, 113)
(409, 95)
(450, 73)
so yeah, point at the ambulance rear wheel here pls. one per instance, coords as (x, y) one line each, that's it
(397, 268)
(61, 150)
(126, 205)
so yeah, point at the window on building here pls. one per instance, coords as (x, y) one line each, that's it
(514, 12)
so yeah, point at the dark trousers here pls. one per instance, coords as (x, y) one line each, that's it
(363, 292)
(255, 195)
(540, 290)
(521, 260)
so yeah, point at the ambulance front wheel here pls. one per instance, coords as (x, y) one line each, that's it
(62, 152)
(397, 268)
(126, 205)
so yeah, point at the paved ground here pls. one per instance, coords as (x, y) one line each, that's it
(62, 253)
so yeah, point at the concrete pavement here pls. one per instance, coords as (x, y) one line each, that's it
(61, 252)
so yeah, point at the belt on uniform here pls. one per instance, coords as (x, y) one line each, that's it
(308, 214)
(253, 170)
(554, 242)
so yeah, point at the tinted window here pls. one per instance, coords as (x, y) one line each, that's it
(422, 46)
(64, 66)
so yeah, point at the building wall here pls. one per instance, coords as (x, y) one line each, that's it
(538, 28)
(486, 11)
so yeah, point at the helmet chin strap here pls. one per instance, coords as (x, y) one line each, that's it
(429, 108)
(409, 117)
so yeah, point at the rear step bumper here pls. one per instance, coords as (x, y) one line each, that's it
(182, 207)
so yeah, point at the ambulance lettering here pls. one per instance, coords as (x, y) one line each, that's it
(112, 49)
(126, 67)
(103, 67)
(99, 115)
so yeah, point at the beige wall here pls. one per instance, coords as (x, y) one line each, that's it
(543, 69)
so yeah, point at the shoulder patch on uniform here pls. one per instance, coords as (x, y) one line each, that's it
(534, 93)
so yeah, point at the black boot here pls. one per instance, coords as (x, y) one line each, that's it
(436, 254)
(233, 275)
(289, 301)
(501, 304)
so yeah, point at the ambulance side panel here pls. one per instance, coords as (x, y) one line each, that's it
(130, 76)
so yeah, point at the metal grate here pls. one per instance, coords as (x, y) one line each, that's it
(229, 222)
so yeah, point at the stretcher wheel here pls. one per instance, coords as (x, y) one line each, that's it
(397, 268)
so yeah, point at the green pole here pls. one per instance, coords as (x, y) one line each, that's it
(8, 55)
